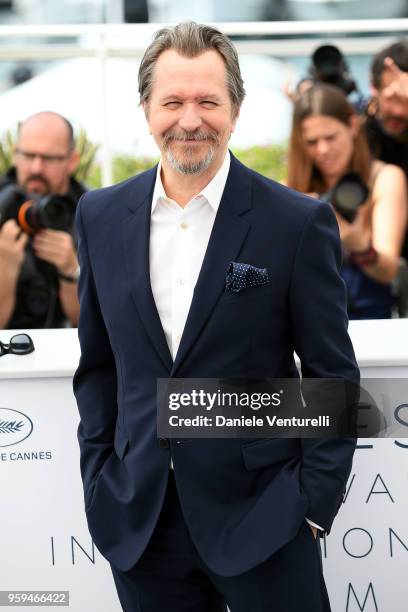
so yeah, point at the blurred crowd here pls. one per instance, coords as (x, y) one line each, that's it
(352, 153)
(344, 149)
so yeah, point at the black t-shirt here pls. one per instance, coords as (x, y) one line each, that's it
(37, 301)
(388, 149)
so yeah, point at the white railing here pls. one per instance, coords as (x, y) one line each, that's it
(103, 41)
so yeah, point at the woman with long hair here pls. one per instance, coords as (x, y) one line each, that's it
(326, 143)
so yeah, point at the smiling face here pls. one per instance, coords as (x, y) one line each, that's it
(329, 144)
(189, 111)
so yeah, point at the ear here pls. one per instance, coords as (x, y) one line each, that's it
(73, 161)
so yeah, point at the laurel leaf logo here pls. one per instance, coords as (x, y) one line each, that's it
(8, 427)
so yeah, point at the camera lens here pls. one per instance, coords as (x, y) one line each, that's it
(328, 61)
(349, 193)
(53, 212)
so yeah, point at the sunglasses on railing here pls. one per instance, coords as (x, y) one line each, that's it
(20, 344)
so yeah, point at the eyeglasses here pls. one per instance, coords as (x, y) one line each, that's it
(20, 344)
(29, 157)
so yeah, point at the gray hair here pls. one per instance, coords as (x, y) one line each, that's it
(191, 39)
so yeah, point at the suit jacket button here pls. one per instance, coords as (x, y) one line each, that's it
(164, 443)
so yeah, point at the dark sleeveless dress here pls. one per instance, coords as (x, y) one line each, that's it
(366, 298)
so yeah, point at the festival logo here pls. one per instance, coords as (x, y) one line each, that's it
(15, 426)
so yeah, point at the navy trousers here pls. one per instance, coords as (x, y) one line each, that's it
(170, 576)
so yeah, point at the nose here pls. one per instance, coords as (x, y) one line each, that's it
(190, 119)
(322, 147)
(37, 164)
(397, 109)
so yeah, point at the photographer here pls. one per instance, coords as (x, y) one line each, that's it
(386, 123)
(39, 267)
(326, 143)
(386, 127)
(328, 66)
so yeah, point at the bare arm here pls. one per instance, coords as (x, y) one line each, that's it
(389, 222)
(69, 301)
(12, 249)
(387, 228)
(58, 249)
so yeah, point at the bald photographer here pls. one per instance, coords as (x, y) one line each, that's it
(38, 197)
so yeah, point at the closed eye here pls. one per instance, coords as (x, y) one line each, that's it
(208, 103)
(328, 138)
(172, 104)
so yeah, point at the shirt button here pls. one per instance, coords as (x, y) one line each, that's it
(184, 225)
(180, 281)
(163, 443)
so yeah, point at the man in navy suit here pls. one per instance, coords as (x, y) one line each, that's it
(196, 525)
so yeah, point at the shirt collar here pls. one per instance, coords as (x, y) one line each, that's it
(211, 192)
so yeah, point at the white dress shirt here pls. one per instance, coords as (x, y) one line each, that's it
(178, 241)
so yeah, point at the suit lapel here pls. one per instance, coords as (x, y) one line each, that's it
(228, 234)
(136, 232)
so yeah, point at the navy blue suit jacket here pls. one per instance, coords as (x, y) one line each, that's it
(242, 499)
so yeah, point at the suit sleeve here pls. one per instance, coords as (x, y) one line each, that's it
(95, 381)
(321, 340)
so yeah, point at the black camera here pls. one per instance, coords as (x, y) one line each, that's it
(35, 212)
(347, 195)
(329, 66)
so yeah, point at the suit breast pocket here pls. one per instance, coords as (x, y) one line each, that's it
(247, 310)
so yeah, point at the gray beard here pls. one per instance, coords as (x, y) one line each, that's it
(190, 167)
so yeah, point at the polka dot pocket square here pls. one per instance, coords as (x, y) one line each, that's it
(242, 276)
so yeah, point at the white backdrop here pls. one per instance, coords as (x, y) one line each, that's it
(45, 544)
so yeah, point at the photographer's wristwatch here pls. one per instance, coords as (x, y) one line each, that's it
(69, 278)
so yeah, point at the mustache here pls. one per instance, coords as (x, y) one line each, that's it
(198, 135)
(395, 118)
(37, 177)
